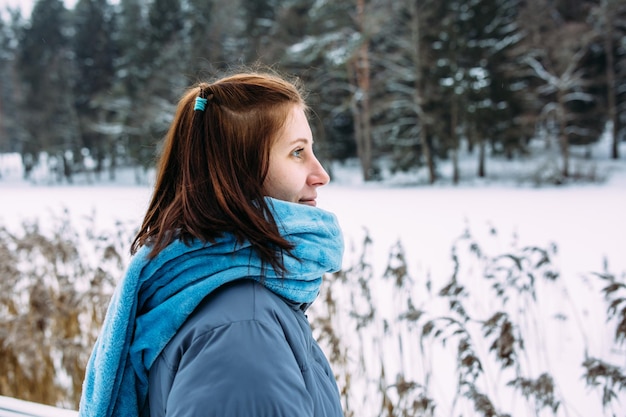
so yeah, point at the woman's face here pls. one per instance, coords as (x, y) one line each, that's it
(294, 171)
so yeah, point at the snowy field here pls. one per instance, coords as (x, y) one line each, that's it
(587, 222)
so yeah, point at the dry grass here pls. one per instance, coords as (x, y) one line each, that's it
(391, 339)
(53, 294)
(475, 346)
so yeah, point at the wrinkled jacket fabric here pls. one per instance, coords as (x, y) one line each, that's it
(245, 351)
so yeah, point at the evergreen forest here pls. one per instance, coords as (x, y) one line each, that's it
(401, 84)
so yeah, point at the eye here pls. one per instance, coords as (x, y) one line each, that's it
(297, 152)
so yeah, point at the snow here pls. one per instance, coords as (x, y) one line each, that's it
(586, 223)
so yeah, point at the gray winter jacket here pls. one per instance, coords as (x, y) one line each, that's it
(244, 352)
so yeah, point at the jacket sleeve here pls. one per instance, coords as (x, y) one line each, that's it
(242, 369)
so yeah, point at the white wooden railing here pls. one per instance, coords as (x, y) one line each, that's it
(12, 407)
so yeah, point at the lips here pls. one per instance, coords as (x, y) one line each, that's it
(308, 201)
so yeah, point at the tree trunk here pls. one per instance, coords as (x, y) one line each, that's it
(418, 99)
(481, 159)
(610, 76)
(455, 140)
(361, 98)
(481, 152)
(427, 154)
(563, 139)
(113, 156)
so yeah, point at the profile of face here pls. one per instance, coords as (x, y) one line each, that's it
(294, 172)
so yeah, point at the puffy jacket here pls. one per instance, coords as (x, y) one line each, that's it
(245, 351)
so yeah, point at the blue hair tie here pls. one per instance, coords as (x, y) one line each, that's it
(200, 104)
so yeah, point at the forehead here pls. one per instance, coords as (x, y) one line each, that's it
(296, 127)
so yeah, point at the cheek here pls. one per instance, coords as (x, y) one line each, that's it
(273, 184)
(282, 186)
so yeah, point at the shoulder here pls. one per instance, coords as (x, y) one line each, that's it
(237, 301)
(235, 351)
(239, 304)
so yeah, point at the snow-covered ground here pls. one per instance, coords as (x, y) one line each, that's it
(587, 222)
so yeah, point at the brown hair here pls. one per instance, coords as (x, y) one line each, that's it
(213, 164)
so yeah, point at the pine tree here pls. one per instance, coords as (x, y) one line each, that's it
(609, 19)
(402, 93)
(258, 19)
(320, 39)
(47, 107)
(95, 55)
(493, 104)
(11, 130)
(165, 59)
(132, 32)
(203, 46)
(560, 56)
(473, 100)
(7, 104)
(154, 70)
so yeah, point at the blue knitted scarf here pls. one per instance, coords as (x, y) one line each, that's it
(156, 296)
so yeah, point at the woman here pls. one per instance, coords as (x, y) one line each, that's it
(209, 319)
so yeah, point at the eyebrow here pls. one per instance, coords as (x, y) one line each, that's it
(305, 140)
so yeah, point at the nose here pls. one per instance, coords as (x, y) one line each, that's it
(318, 175)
